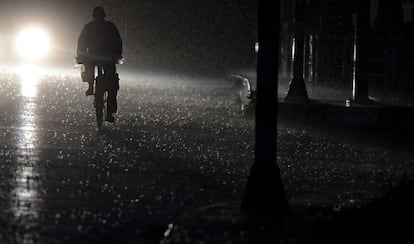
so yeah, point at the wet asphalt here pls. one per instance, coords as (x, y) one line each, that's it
(62, 181)
(173, 148)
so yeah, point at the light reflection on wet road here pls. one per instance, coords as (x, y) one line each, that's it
(25, 199)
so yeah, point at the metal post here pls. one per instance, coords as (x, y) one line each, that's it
(264, 193)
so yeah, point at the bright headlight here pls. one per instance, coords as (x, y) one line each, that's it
(32, 43)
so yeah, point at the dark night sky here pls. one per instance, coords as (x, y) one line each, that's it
(183, 35)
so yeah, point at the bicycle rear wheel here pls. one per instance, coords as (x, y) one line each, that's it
(99, 108)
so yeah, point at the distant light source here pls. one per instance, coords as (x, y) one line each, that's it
(32, 43)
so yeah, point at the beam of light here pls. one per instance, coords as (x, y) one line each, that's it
(256, 47)
(311, 57)
(32, 43)
(354, 59)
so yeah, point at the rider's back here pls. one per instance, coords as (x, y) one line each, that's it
(100, 41)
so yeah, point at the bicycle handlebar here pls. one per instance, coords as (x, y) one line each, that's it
(78, 60)
(79, 64)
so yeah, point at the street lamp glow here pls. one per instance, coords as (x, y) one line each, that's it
(32, 43)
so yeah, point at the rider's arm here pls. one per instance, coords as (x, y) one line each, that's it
(117, 42)
(81, 49)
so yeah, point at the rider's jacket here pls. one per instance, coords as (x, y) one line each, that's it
(99, 41)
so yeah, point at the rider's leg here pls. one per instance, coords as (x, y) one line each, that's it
(89, 76)
(112, 103)
(113, 82)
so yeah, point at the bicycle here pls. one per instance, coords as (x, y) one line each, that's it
(103, 85)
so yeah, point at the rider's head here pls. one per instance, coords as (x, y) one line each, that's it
(98, 13)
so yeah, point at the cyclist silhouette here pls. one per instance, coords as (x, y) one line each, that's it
(100, 43)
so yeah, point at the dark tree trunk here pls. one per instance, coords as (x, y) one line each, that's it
(362, 50)
(297, 88)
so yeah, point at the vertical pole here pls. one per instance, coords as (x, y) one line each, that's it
(363, 8)
(264, 193)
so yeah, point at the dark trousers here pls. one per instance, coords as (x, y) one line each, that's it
(111, 80)
(109, 71)
(112, 104)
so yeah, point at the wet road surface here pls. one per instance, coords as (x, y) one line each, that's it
(172, 149)
(65, 182)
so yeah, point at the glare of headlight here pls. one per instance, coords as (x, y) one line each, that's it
(29, 78)
(32, 43)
